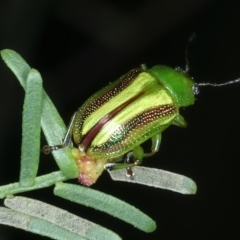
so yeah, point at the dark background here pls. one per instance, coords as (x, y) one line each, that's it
(80, 46)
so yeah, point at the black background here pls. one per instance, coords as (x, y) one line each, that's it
(81, 46)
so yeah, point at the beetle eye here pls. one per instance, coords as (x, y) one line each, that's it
(195, 89)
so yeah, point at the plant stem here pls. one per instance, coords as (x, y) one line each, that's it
(40, 182)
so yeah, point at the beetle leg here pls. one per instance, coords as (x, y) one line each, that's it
(179, 121)
(128, 162)
(129, 171)
(139, 154)
(156, 141)
(116, 166)
(136, 156)
(65, 141)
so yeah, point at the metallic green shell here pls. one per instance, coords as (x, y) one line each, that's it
(124, 114)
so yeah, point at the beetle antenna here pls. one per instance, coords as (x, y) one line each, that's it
(190, 40)
(219, 84)
(197, 85)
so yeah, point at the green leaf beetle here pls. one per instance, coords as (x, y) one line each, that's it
(111, 125)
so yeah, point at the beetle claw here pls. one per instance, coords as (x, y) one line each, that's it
(48, 149)
(130, 173)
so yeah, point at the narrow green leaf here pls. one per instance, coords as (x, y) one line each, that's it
(54, 130)
(35, 225)
(60, 218)
(31, 129)
(17, 64)
(157, 178)
(105, 203)
(40, 182)
(51, 122)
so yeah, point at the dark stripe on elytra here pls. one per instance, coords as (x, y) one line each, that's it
(95, 130)
(98, 102)
(124, 131)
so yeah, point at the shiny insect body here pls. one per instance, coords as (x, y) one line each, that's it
(111, 125)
